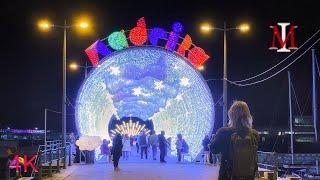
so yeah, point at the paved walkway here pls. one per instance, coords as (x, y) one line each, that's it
(138, 169)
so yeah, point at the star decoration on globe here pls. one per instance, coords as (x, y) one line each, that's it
(137, 91)
(158, 85)
(184, 81)
(179, 97)
(114, 71)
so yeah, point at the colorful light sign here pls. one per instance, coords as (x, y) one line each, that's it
(139, 35)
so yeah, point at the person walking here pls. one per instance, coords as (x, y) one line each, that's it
(227, 140)
(117, 150)
(179, 147)
(143, 144)
(126, 147)
(154, 141)
(205, 143)
(136, 139)
(105, 150)
(162, 146)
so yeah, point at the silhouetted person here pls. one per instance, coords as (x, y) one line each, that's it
(143, 144)
(162, 146)
(117, 150)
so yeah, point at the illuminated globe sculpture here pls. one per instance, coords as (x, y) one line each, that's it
(150, 83)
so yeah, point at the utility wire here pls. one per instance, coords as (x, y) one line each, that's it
(279, 62)
(58, 112)
(294, 92)
(214, 79)
(53, 111)
(305, 105)
(317, 65)
(218, 101)
(70, 102)
(256, 82)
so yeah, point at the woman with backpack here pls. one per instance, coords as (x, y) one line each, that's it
(237, 145)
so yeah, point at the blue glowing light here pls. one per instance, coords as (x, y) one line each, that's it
(149, 83)
(156, 34)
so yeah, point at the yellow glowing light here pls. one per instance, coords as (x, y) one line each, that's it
(200, 68)
(206, 27)
(44, 24)
(244, 27)
(73, 66)
(84, 25)
(129, 128)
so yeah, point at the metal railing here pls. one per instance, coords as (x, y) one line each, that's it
(52, 154)
(283, 162)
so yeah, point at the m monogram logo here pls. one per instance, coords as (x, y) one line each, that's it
(284, 37)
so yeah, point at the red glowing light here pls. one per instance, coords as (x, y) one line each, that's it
(197, 56)
(138, 35)
(185, 45)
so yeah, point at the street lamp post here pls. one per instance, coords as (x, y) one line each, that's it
(243, 27)
(64, 86)
(46, 25)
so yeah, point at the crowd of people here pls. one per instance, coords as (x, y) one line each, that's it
(236, 145)
(122, 145)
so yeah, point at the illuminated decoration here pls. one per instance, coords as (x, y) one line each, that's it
(117, 40)
(174, 36)
(197, 56)
(31, 131)
(114, 71)
(179, 97)
(153, 84)
(184, 81)
(158, 85)
(156, 34)
(138, 36)
(129, 128)
(94, 49)
(185, 45)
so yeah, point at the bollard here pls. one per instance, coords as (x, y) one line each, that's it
(275, 166)
(64, 157)
(58, 159)
(50, 163)
(39, 165)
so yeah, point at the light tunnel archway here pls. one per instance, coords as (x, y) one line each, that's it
(150, 83)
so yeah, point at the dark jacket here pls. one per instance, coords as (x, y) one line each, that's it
(143, 140)
(162, 141)
(117, 146)
(221, 144)
(205, 143)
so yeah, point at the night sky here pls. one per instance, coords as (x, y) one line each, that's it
(31, 73)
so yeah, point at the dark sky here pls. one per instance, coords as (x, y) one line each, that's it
(31, 73)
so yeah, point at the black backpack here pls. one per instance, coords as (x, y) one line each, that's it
(244, 155)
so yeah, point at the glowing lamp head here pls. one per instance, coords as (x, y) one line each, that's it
(206, 28)
(201, 68)
(83, 25)
(44, 25)
(244, 27)
(73, 66)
